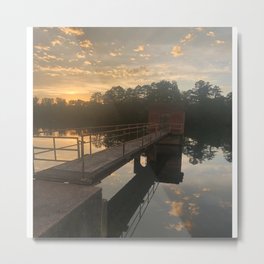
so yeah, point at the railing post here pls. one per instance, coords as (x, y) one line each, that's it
(33, 161)
(123, 149)
(54, 147)
(78, 148)
(82, 153)
(90, 139)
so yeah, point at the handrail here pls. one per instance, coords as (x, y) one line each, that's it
(142, 131)
(66, 137)
(90, 127)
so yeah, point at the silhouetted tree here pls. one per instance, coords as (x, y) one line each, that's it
(204, 105)
(96, 97)
(115, 94)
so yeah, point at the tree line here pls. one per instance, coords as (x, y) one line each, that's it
(204, 106)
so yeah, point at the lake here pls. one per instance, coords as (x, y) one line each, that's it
(181, 191)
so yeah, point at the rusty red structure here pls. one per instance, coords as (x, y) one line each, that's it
(167, 116)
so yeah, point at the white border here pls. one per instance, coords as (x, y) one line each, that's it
(234, 135)
(29, 136)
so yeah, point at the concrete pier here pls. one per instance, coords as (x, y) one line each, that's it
(66, 210)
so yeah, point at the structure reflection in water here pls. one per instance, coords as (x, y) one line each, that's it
(126, 207)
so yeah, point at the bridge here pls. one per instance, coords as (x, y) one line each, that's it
(118, 145)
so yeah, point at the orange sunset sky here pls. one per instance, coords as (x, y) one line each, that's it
(73, 63)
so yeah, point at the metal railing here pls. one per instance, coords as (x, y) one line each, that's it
(54, 148)
(103, 138)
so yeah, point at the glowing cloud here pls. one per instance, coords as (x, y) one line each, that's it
(80, 55)
(60, 69)
(56, 42)
(181, 226)
(140, 48)
(219, 41)
(72, 31)
(184, 225)
(87, 62)
(176, 208)
(114, 54)
(210, 34)
(193, 209)
(176, 51)
(178, 192)
(41, 47)
(86, 44)
(146, 56)
(48, 58)
(187, 38)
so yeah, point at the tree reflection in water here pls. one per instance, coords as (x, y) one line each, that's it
(202, 145)
(198, 148)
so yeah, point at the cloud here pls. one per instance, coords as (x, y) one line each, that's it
(219, 41)
(210, 34)
(53, 74)
(122, 72)
(140, 48)
(193, 209)
(41, 47)
(80, 55)
(186, 225)
(47, 57)
(206, 189)
(73, 31)
(176, 51)
(87, 62)
(146, 56)
(114, 54)
(197, 195)
(86, 43)
(73, 43)
(132, 59)
(178, 191)
(186, 38)
(199, 29)
(176, 208)
(56, 42)
(61, 70)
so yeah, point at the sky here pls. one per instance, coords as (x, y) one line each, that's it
(73, 63)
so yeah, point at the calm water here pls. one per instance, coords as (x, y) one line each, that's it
(170, 191)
